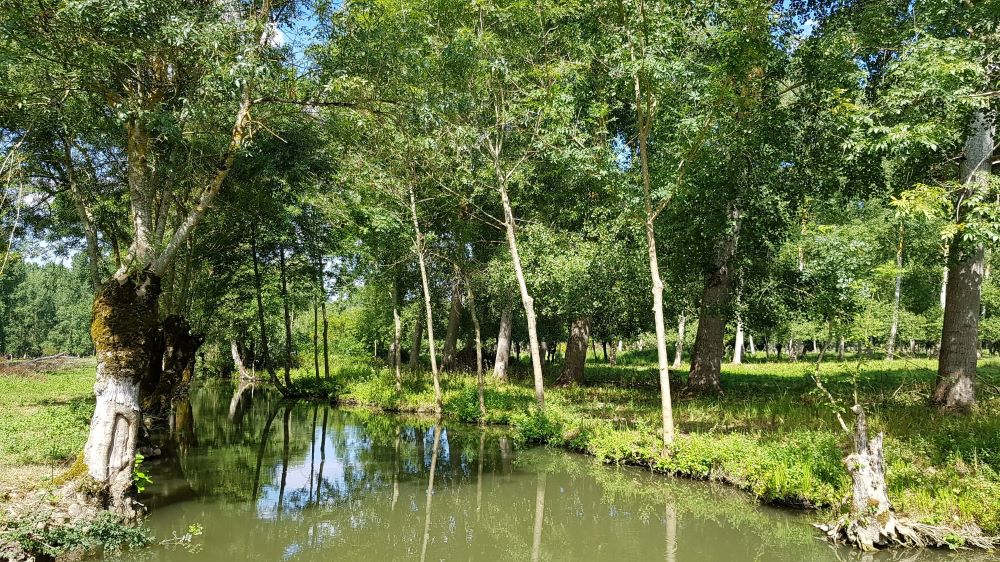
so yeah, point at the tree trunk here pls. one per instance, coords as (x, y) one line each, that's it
(666, 408)
(679, 350)
(526, 299)
(126, 336)
(956, 377)
(316, 339)
(397, 336)
(738, 344)
(265, 358)
(238, 361)
(604, 349)
(872, 522)
(418, 338)
(288, 319)
(753, 348)
(706, 364)
(613, 353)
(419, 246)
(576, 351)
(480, 382)
(326, 340)
(890, 347)
(454, 319)
(503, 345)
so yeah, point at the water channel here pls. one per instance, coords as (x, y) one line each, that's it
(278, 481)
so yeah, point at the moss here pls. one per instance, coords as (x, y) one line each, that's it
(76, 470)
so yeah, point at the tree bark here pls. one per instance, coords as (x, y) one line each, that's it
(576, 351)
(397, 336)
(288, 319)
(326, 340)
(179, 352)
(454, 319)
(316, 339)
(480, 382)
(956, 377)
(503, 345)
(654, 271)
(738, 344)
(679, 350)
(234, 350)
(890, 347)
(418, 338)
(526, 300)
(126, 336)
(419, 247)
(706, 364)
(265, 358)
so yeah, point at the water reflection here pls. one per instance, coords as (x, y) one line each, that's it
(283, 481)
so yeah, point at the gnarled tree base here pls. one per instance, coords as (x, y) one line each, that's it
(897, 532)
(872, 523)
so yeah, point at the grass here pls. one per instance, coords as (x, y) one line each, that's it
(45, 417)
(771, 433)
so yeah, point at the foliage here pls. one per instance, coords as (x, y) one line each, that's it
(106, 531)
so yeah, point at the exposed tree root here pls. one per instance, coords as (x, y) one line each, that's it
(872, 523)
(870, 535)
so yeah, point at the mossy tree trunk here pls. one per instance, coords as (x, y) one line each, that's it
(180, 348)
(126, 335)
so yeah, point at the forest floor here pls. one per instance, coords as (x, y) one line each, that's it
(771, 433)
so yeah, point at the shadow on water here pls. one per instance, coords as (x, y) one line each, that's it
(275, 480)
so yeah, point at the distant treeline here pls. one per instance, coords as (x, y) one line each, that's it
(45, 309)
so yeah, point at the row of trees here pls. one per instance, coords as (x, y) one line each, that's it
(541, 171)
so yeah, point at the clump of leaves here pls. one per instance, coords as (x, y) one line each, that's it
(140, 478)
(37, 536)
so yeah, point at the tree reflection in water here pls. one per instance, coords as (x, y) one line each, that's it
(357, 485)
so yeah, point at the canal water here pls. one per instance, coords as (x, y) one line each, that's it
(262, 479)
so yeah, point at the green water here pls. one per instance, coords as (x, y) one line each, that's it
(268, 480)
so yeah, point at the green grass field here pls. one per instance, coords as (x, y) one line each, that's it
(44, 416)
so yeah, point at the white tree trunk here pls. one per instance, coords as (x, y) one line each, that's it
(890, 351)
(419, 246)
(526, 299)
(480, 383)
(679, 351)
(738, 345)
(503, 344)
(238, 361)
(397, 336)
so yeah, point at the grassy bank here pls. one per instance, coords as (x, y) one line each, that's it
(45, 414)
(771, 434)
